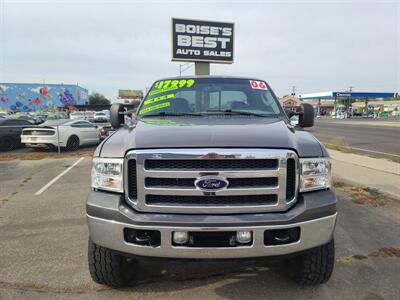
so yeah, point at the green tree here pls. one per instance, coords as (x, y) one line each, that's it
(97, 98)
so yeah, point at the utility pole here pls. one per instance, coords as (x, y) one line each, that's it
(184, 67)
(350, 89)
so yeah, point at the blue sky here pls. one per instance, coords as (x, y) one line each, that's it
(109, 45)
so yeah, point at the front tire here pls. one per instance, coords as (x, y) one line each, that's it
(316, 266)
(73, 143)
(108, 267)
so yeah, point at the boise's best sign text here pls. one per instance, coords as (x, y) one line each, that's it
(201, 40)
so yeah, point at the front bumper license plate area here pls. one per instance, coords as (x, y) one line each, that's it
(313, 233)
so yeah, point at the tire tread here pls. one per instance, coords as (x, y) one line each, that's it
(316, 267)
(106, 267)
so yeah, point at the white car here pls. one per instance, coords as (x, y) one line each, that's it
(89, 115)
(4, 115)
(77, 115)
(71, 134)
(101, 117)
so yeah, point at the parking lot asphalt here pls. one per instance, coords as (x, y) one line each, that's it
(367, 136)
(43, 242)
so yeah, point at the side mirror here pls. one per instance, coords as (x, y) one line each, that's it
(306, 116)
(290, 113)
(116, 115)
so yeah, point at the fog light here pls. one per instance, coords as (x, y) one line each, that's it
(180, 237)
(243, 237)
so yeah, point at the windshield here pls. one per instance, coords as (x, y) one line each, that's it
(207, 96)
(53, 117)
(100, 114)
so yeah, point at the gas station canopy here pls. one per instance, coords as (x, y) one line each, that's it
(334, 95)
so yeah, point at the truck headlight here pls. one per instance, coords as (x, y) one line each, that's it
(107, 174)
(315, 174)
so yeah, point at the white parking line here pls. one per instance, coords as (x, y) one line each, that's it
(57, 177)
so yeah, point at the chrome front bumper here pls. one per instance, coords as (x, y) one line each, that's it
(109, 234)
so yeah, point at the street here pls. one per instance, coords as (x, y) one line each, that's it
(370, 137)
(43, 241)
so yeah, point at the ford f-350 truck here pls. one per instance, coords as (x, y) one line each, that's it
(210, 167)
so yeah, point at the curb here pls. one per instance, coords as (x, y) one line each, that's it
(353, 183)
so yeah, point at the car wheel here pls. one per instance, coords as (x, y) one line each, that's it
(316, 266)
(73, 143)
(7, 144)
(108, 267)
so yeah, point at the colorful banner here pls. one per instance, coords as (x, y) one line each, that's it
(33, 97)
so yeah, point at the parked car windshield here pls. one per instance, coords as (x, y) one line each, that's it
(207, 96)
(54, 117)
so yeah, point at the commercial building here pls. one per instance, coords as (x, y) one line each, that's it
(34, 96)
(290, 102)
(328, 100)
(385, 108)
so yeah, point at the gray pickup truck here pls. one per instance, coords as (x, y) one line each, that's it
(210, 167)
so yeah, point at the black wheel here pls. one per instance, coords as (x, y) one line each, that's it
(316, 266)
(108, 267)
(73, 143)
(7, 144)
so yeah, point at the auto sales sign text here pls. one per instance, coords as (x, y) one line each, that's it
(208, 41)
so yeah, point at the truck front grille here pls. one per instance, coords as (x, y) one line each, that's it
(220, 201)
(132, 181)
(163, 181)
(189, 182)
(211, 164)
(290, 179)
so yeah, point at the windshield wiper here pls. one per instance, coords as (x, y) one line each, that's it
(173, 114)
(239, 112)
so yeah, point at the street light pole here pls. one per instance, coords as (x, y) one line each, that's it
(184, 67)
(293, 90)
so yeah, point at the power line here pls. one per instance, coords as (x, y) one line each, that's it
(184, 67)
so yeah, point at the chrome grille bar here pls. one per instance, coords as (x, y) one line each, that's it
(196, 192)
(224, 173)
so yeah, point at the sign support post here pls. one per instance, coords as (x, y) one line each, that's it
(201, 68)
(58, 140)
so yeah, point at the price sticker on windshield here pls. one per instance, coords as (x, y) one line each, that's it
(258, 85)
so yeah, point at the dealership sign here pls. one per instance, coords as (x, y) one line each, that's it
(207, 41)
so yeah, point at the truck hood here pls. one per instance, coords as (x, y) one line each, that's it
(211, 132)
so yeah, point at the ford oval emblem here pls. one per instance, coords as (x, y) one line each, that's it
(211, 183)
